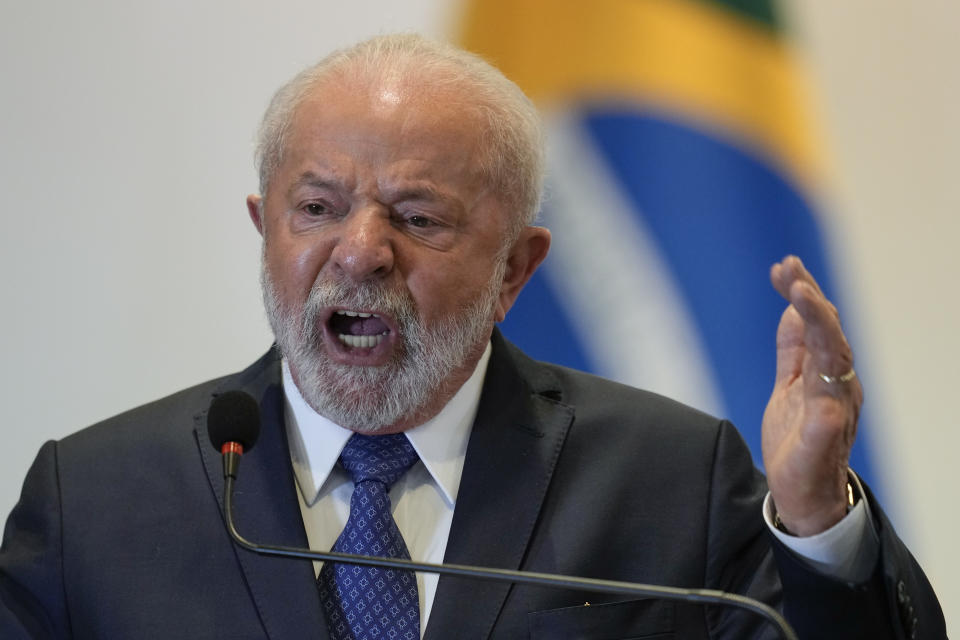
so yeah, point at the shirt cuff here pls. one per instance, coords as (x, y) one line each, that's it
(846, 551)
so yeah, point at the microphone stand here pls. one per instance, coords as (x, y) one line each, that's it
(701, 596)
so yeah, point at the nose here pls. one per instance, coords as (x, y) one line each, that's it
(364, 248)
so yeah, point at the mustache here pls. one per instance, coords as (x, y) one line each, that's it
(375, 296)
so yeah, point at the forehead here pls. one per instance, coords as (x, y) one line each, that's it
(390, 138)
(388, 119)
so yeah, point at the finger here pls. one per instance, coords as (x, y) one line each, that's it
(790, 270)
(823, 336)
(790, 345)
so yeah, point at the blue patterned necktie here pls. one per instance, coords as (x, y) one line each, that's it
(365, 603)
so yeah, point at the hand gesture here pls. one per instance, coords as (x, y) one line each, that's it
(811, 420)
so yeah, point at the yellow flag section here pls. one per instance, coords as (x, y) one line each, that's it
(725, 68)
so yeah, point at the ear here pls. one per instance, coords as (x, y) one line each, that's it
(526, 255)
(255, 210)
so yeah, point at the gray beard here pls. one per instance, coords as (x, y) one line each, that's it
(369, 399)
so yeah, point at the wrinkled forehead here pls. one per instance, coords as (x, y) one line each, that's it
(394, 112)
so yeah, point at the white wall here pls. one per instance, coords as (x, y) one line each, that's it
(890, 98)
(131, 270)
(130, 266)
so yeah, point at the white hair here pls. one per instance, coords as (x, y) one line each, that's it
(512, 149)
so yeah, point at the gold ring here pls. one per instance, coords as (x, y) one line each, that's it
(847, 377)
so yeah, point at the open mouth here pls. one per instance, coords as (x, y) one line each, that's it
(358, 329)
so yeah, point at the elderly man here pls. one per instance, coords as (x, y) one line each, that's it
(399, 182)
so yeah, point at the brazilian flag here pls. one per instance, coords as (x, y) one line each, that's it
(682, 164)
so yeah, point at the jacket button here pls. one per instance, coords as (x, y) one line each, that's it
(902, 596)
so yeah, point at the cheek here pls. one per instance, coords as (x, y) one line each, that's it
(444, 290)
(294, 267)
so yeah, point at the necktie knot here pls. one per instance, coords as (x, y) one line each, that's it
(380, 458)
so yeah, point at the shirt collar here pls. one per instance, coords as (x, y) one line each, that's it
(441, 442)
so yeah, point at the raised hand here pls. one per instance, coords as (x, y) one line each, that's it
(811, 420)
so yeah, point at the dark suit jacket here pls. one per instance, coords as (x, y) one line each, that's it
(119, 534)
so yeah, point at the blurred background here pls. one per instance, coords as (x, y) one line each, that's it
(693, 142)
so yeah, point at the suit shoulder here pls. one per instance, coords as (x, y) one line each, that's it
(581, 387)
(600, 400)
(167, 418)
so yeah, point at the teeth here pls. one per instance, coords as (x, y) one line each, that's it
(364, 342)
(357, 314)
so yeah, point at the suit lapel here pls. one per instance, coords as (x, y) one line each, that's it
(266, 511)
(514, 445)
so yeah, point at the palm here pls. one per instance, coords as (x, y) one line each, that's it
(809, 425)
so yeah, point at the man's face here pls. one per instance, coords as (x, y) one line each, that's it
(381, 271)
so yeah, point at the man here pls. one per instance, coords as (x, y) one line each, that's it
(399, 182)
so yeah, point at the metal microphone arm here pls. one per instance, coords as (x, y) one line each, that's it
(702, 596)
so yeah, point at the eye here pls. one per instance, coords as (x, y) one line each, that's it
(419, 221)
(317, 209)
(435, 229)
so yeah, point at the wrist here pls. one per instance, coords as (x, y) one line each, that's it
(814, 525)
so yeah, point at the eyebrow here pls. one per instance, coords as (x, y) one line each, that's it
(312, 179)
(424, 192)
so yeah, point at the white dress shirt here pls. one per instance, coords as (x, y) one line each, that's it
(423, 499)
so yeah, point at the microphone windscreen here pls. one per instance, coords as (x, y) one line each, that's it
(234, 416)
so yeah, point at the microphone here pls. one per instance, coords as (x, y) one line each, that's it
(233, 424)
